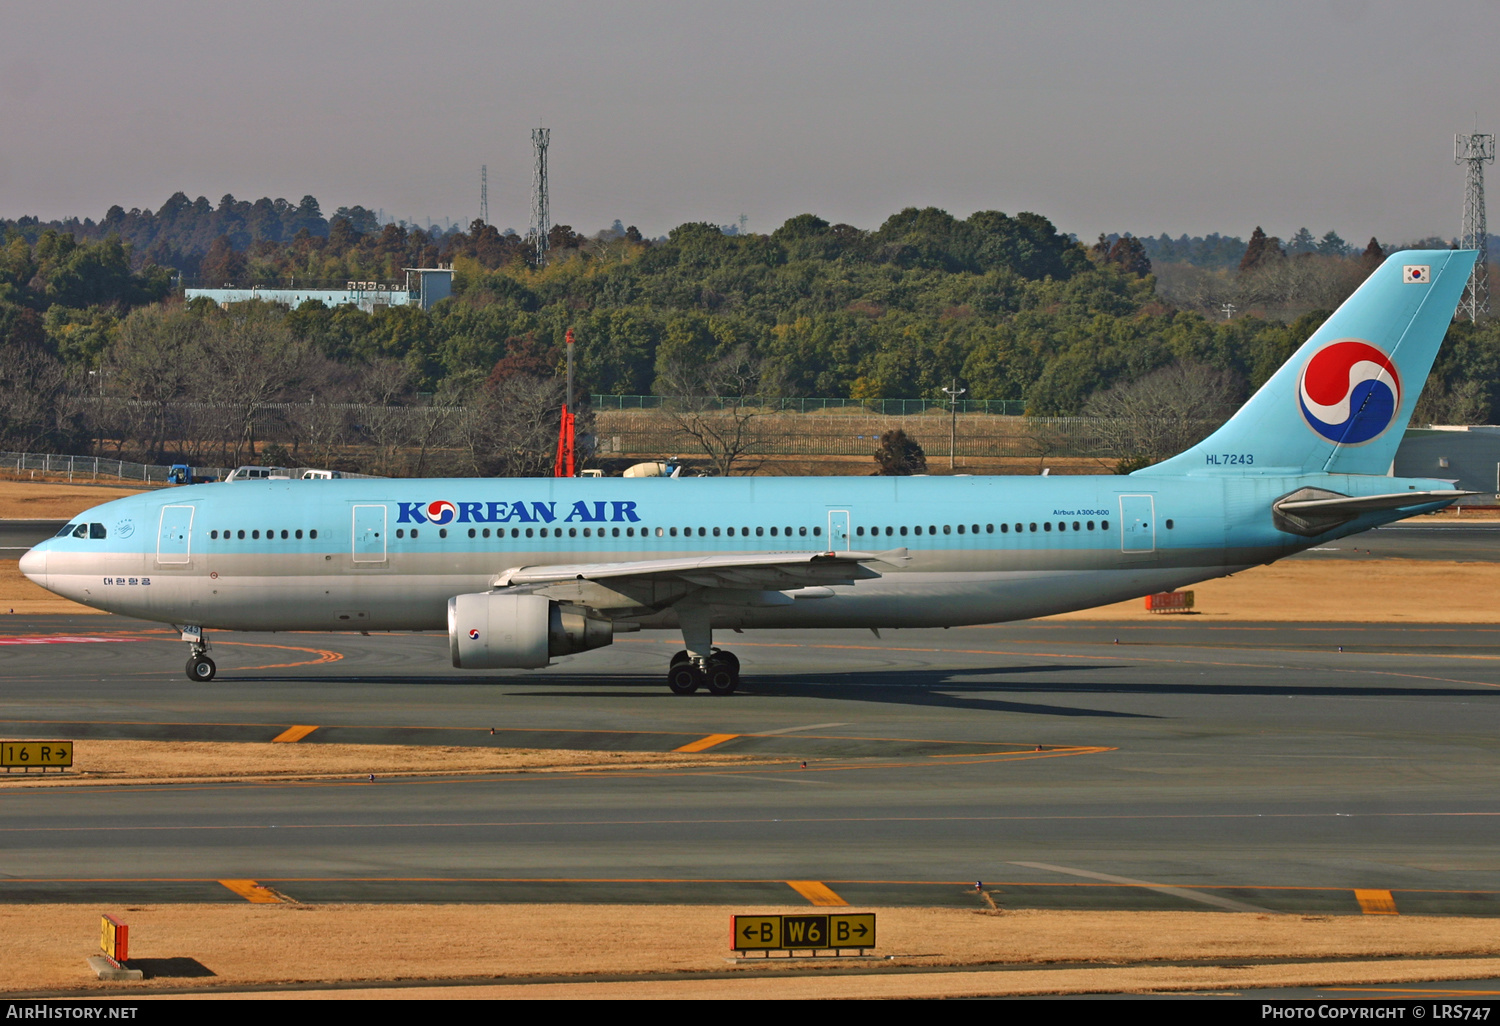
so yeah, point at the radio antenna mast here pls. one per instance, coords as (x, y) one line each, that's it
(484, 193)
(541, 217)
(1475, 151)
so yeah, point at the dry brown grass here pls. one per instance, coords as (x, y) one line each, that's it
(19, 595)
(248, 944)
(1339, 590)
(52, 500)
(172, 762)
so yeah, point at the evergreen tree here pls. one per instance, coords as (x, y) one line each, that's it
(1263, 249)
(1332, 245)
(1302, 242)
(899, 455)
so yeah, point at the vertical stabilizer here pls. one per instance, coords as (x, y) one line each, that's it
(1342, 402)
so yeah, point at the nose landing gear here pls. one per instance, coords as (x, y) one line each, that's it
(199, 666)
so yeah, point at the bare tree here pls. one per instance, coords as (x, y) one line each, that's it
(1467, 402)
(716, 406)
(1174, 407)
(38, 401)
(153, 365)
(509, 428)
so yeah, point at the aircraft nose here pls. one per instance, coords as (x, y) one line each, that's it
(34, 564)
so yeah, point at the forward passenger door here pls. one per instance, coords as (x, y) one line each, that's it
(174, 538)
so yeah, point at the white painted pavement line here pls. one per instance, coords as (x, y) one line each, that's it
(1228, 904)
(793, 730)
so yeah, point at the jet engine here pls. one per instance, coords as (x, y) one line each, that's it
(494, 631)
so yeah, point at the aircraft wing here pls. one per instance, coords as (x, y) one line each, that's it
(757, 571)
(1367, 503)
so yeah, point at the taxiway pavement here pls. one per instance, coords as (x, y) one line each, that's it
(1181, 764)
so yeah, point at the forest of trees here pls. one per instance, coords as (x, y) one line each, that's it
(1007, 305)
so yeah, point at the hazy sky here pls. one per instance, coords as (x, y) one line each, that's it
(1138, 116)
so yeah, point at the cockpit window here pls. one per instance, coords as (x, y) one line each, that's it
(66, 530)
(97, 531)
(81, 531)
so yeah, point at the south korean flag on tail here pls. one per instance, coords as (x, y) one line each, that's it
(1416, 274)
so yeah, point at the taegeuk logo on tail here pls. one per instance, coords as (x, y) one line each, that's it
(1349, 392)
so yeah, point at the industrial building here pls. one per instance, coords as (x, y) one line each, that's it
(424, 286)
(1467, 456)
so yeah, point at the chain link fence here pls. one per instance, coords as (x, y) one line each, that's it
(93, 468)
(792, 404)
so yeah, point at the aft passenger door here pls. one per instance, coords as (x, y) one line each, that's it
(369, 542)
(1137, 524)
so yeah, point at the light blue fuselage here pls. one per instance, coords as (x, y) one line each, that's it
(332, 555)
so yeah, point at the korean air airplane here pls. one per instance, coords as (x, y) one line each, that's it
(521, 571)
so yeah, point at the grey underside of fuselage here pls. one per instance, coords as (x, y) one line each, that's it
(312, 591)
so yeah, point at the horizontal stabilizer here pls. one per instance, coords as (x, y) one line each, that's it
(1312, 511)
(1368, 503)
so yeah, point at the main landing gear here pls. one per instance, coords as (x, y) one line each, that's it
(199, 666)
(720, 673)
(700, 664)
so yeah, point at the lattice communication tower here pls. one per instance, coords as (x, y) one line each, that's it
(484, 193)
(541, 217)
(1475, 151)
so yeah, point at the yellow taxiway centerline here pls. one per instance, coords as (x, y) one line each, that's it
(253, 892)
(816, 892)
(1375, 903)
(706, 742)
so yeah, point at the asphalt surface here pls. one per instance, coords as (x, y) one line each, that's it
(16, 536)
(1182, 765)
(1417, 539)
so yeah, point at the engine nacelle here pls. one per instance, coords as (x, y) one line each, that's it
(493, 631)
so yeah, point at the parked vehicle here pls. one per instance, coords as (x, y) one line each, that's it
(259, 474)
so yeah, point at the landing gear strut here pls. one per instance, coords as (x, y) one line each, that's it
(700, 664)
(199, 666)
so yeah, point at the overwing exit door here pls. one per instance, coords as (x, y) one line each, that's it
(838, 530)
